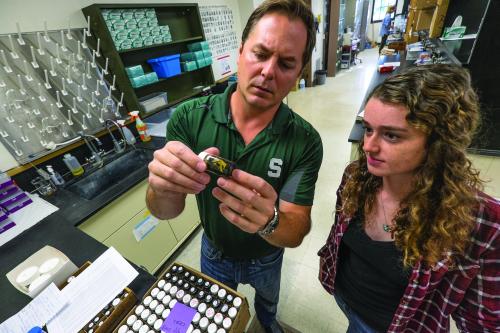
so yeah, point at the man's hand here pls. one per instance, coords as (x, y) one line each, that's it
(177, 169)
(174, 172)
(247, 201)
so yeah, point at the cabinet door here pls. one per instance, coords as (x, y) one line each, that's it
(183, 224)
(151, 250)
(109, 219)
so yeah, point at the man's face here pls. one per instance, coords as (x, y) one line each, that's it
(270, 60)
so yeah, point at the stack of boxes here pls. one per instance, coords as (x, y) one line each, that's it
(12, 198)
(199, 56)
(134, 28)
(138, 78)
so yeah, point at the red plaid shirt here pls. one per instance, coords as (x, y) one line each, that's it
(470, 293)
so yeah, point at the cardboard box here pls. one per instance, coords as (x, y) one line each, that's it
(239, 322)
(112, 314)
(421, 4)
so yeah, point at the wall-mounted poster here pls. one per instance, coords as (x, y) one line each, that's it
(218, 25)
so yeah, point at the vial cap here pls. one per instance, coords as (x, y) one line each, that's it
(212, 328)
(227, 322)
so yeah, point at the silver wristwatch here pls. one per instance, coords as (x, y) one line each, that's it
(271, 226)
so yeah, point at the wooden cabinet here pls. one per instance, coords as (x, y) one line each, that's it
(151, 251)
(425, 15)
(114, 225)
(185, 27)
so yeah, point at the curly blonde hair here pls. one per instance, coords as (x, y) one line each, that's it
(435, 219)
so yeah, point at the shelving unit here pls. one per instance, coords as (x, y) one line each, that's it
(185, 27)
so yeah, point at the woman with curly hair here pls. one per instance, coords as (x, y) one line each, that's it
(414, 239)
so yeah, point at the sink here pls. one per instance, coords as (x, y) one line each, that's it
(100, 180)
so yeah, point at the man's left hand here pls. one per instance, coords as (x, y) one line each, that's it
(247, 201)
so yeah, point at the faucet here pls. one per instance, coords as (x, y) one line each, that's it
(95, 159)
(119, 145)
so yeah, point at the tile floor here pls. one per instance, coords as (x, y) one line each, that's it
(331, 108)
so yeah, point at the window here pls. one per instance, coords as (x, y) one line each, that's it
(379, 9)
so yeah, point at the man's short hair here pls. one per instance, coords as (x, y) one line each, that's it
(293, 9)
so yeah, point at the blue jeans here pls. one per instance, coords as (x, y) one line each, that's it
(263, 274)
(356, 324)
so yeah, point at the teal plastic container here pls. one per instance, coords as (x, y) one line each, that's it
(134, 33)
(118, 25)
(131, 24)
(198, 46)
(145, 32)
(121, 35)
(134, 71)
(150, 78)
(207, 53)
(188, 56)
(164, 29)
(128, 14)
(138, 81)
(139, 13)
(115, 14)
(137, 42)
(188, 66)
(167, 38)
(208, 61)
(155, 31)
(150, 12)
(153, 22)
(147, 41)
(126, 44)
(198, 55)
(158, 40)
(143, 23)
(201, 63)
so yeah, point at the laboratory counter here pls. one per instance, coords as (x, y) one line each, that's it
(59, 231)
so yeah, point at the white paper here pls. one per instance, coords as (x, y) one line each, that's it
(92, 290)
(37, 313)
(27, 217)
(393, 64)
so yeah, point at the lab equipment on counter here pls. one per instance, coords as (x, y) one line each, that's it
(55, 176)
(129, 137)
(141, 126)
(73, 165)
(45, 266)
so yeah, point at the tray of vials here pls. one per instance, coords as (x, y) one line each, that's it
(216, 307)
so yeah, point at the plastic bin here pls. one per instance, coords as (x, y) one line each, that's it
(198, 46)
(167, 66)
(134, 71)
(189, 66)
(320, 77)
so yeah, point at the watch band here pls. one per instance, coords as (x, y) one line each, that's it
(271, 226)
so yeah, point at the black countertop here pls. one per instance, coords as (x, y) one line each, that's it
(59, 231)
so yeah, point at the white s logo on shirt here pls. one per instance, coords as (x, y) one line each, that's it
(275, 167)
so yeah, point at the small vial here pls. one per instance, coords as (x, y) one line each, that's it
(194, 303)
(199, 282)
(174, 268)
(137, 325)
(196, 318)
(107, 313)
(221, 330)
(161, 283)
(217, 165)
(155, 292)
(173, 290)
(226, 323)
(214, 289)
(237, 302)
(160, 295)
(190, 329)
(186, 285)
(159, 309)
(131, 320)
(166, 299)
(210, 313)
(172, 303)
(192, 290)
(196, 331)
(218, 318)
(192, 278)
(147, 300)
(180, 294)
(187, 274)
(175, 278)
(123, 329)
(180, 269)
(151, 319)
(168, 276)
(201, 294)
(232, 313)
(212, 328)
(203, 323)
(145, 314)
(139, 309)
(157, 324)
(186, 299)
(229, 298)
(180, 282)
(144, 329)
(207, 285)
(153, 304)
(222, 293)
(167, 287)
(202, 308)
(208, 298)
(115, 302)
(224, 308)
(165, 313)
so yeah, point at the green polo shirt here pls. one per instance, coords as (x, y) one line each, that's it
(287, 154)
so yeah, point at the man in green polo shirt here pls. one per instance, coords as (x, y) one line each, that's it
(265, 205)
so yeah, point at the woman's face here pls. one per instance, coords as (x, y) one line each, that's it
(391, 145)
